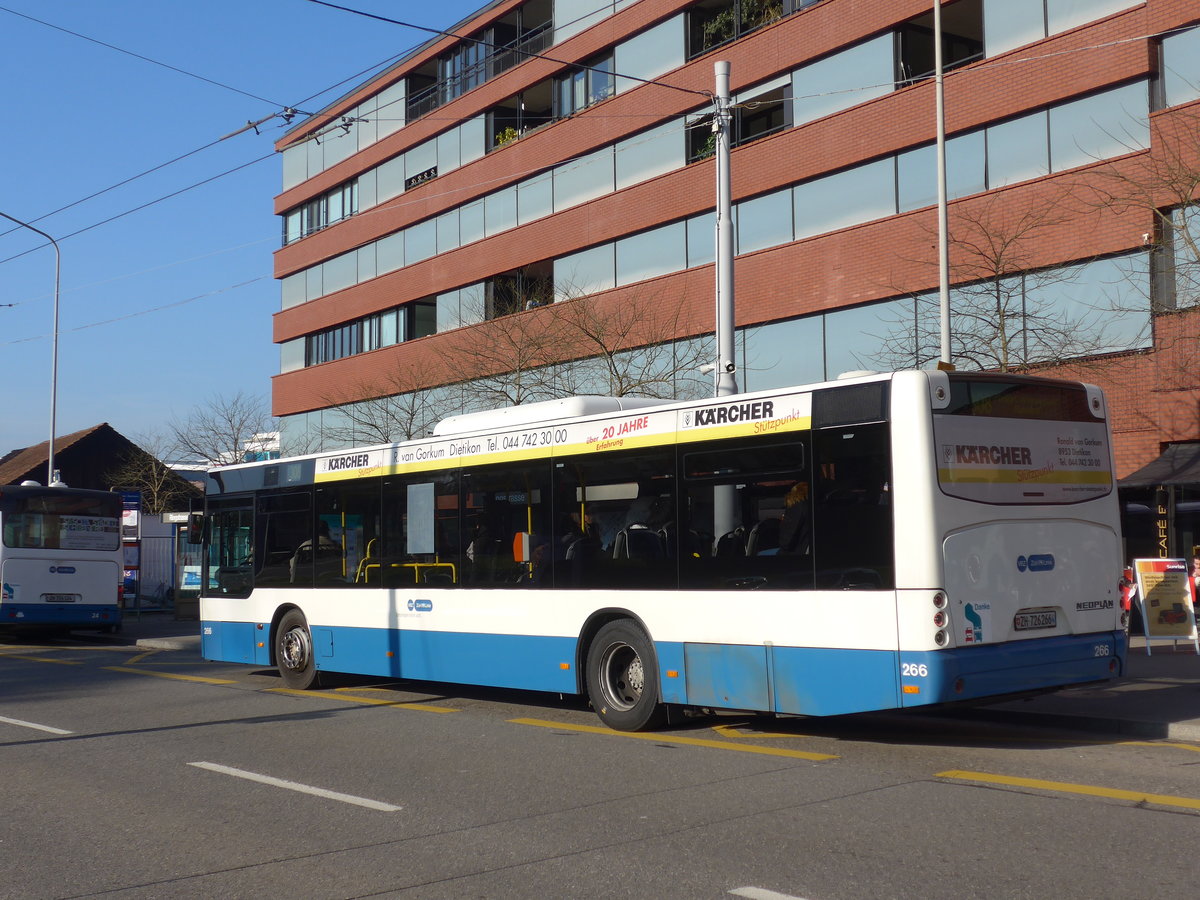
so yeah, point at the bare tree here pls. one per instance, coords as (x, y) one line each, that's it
(581, 344)
(1162, 189)
(627, 347)
(510, 360)
(408, 410)
(142, 469)
(1003, 312)
(221, 430)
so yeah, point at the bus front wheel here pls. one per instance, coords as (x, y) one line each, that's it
(622, 678)
(294, 651)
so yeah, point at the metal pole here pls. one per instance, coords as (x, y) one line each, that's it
(943, 217)
(51, 472)
(726, 380)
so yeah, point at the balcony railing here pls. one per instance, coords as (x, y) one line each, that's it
(497, 62)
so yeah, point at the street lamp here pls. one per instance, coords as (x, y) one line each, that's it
(50, 470)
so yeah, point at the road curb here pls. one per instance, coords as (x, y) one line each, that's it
(188, 642)
(1139, 728)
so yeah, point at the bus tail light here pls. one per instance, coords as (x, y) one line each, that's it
(941, 638)
(939, 619)
(939, 600)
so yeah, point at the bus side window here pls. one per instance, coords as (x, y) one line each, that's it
(348, 528)
(419, 543)
(748, 522)
(615, 523)
(852, 514)
(282, 526)
(507, 506)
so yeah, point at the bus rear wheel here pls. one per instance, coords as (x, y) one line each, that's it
(622, 678)
(294, 651)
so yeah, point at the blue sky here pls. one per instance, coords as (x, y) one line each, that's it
(169, 306)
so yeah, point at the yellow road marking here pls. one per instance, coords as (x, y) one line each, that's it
(677, 739)
(349, 698)
(140, 657)
(61, 662)
(1065, 787)
(731, 731)
(172, 675)
(1168, 744)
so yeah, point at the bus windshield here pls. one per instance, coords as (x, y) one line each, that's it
(52, 520)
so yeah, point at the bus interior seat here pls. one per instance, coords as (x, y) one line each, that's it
(638, 542)
(732, 543)
(763, 537)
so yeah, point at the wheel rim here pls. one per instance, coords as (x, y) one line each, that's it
(622, 676)
(295, 649)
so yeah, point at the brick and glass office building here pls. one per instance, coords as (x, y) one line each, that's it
(553, 149)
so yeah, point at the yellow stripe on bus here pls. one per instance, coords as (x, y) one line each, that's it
(524, 454)
(1023, 476)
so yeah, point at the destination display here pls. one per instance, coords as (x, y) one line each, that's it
(994, 460)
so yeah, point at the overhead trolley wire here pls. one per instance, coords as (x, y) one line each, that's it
(148, 59)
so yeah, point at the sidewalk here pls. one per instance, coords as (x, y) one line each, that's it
(154, 630)
(1158, 698)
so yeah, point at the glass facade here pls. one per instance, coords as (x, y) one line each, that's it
(1104, 304)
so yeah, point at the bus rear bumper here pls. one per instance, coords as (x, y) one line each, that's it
(42, 615)
(970, 673)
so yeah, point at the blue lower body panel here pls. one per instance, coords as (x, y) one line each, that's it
(813, 681)
(507, 661)
(59, 615)
(989, 670)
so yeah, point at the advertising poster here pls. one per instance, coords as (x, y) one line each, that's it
(1166, 595)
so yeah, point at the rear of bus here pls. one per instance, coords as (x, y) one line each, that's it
(60, 558)
(1008, 537)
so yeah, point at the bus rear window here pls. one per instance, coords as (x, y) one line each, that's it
(1017, 400)
(1021, 441)
(62, 521)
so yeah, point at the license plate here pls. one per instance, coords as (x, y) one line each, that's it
(60, 598)
(1031, 621)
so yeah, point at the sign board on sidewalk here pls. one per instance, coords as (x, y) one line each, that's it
(1166, 598)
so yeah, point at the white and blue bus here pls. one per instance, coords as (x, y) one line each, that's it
(60, 558)
(879, 542)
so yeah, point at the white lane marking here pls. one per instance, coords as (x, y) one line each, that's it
(24, 724)
(296, 786)
(754, 893)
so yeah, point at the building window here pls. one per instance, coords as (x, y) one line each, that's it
(580, 89)
(712, 23)
(463, 68)
(529, 109)
(518, 290)
(486, 54)
(962, 41)
(1179, 81)
(1175, 260)
(328, 209)
(755, 115)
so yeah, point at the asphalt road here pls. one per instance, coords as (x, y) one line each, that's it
(147, 774)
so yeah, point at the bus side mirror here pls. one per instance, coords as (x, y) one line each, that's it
(195, 528)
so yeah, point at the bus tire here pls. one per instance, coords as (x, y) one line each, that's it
(294, 651)
(622, 678)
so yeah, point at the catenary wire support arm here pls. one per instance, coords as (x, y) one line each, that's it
(51, 472)
(726, 372)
